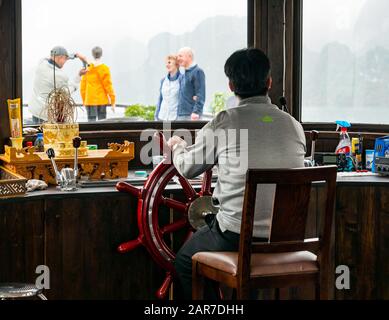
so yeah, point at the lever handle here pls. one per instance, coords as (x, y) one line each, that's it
(50, 153)
(314, 135)
(76, 142)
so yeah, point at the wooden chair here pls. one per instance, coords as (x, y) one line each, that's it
(288, 259)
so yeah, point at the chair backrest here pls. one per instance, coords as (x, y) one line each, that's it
(291, 205)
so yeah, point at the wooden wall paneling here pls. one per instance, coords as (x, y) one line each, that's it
(10, 62)
(275, 46)
(382, 200)
(21, 240)
(260, 24)
(294, 36)
(18, 51)
(250, 23)
(332, 277)
(34, 238)
(367, 266)
(81, 250)
(269, 36)
(290, 88)
(347, 230)
(356, 242)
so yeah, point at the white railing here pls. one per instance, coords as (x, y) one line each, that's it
(117, 115)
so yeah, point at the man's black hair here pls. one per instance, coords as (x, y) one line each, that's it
(248, 70)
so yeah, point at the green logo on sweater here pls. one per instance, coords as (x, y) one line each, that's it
(267, 119)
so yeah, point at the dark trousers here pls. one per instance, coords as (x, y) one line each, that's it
(208, 238)
(96, 113)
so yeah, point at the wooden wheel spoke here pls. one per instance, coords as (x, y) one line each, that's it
(207, 183)
(188, 189)
(175, 226)
(174, 204)
(163, 291)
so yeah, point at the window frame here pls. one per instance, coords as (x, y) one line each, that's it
(297, 76)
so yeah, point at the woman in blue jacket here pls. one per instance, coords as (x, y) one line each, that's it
(167, 104)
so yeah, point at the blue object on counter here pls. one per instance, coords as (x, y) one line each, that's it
(381, 149)
(38, 144)
(141, 174)
(369, 159)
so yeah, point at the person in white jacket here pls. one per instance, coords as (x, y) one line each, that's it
(44, 81)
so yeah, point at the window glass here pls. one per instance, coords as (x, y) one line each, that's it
(135, 38)
(345, 61)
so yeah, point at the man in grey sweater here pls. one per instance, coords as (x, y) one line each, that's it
(255, 134)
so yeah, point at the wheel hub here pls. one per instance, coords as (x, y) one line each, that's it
(199, 210)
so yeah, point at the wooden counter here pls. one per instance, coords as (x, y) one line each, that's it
(362, 236)
(76, 235)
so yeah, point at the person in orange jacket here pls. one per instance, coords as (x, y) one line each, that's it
(96, 88)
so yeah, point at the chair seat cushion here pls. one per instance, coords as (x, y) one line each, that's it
(262, 264)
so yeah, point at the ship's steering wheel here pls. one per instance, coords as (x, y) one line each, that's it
(151, 197)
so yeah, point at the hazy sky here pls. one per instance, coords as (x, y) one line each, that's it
(59, 22)
(330, 20)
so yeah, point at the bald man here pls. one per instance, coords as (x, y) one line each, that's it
(192, 92)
